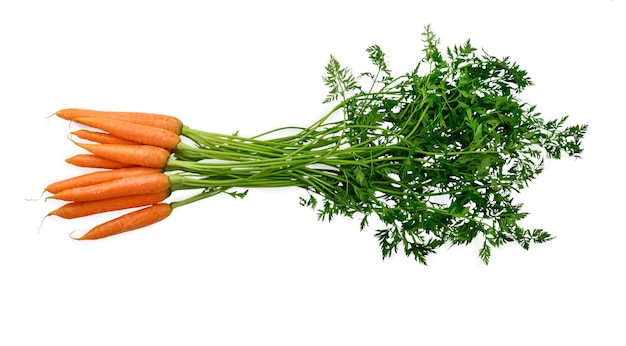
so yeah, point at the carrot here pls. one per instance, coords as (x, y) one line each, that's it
(128, 222)
(99, 137)
(93, 161)
(134, 132)
(98, 177)
(136, 155)
(79, 209)
(134, 185)
(165, 122)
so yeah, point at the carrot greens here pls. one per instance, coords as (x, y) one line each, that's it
(435, 154)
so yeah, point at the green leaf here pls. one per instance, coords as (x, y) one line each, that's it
(237, 194)
(339, 79)
(485, 252)
(360, 176)
(377, 58)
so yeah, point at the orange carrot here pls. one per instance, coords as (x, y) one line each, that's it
(134, 132)
(136, 155)
(165, 122)
(134, 185)
(79, 209)
(93, 161)
(99, 137)
(98, 177)
(128, 222)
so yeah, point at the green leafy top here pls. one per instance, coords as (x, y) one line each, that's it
(440, 154)
(436, 155)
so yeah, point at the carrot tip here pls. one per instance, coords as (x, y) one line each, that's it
(71, 138)
(41, 224)
(76, 238)
(38, 198)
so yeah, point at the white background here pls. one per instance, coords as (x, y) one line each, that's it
(263, 270)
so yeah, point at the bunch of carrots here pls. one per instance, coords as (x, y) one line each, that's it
(435, 155)
(130, 151)
(140, 159)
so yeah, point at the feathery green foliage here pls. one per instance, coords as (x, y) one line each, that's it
(436, 155)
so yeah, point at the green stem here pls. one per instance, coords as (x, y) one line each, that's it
(205, 194)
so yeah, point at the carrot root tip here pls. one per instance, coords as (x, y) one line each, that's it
(74, 237)
(38, 198)
(41, 223)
